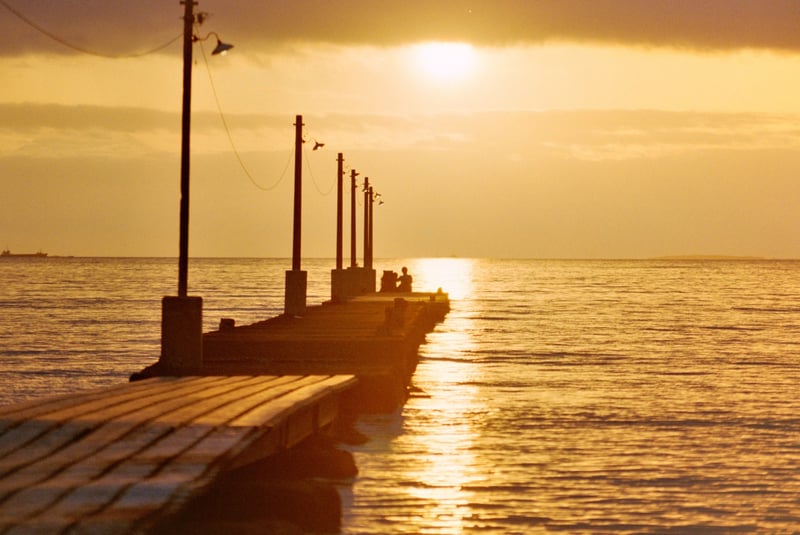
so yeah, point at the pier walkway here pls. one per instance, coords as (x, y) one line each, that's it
(121, 459)
(375, 337)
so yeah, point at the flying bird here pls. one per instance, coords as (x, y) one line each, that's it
(318, 145)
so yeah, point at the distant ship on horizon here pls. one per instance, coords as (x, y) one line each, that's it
(8, 253)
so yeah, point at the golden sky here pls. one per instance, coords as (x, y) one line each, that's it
(550, 129)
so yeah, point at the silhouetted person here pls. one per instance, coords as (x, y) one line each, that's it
(405, 281)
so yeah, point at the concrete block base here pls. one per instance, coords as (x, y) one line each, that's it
(339, 285)
(182, 332)
(295, 297)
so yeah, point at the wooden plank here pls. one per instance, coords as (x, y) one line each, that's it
(123, 403)
(35, 441)
(167, 490)
(140, 457)
(32, 490)
(151, 467)
(266, 414)
(49, 412)
(34, 408)
(183, 412)
(232, 414)
(222, 442)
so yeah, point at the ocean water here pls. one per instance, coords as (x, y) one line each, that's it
(641, 396)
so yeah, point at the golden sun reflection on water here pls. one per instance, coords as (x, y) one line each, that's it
(452, 275)
(449, 408)
(446, 466)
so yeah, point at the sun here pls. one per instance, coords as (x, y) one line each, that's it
(444, 62)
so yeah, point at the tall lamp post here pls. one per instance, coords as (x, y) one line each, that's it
(296, 279)
(182, 316)
(353, 186)
(186, 121)
(339, 289)
(366, 222)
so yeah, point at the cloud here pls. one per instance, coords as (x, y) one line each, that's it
(257, 25)
(51, 130)
(552, 184)
(713, 24)
(54, 130)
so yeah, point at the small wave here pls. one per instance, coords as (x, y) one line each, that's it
(776, 310)
(682, 373)
(449, 359)
(730, 328)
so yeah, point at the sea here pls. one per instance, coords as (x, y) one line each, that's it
(558, 396)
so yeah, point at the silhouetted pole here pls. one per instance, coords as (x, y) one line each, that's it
(298, 191)
(183, 253)
(181, 315)
(296, 279)
(366, 220)
(339, 208)
(368, 262)
(353, 176)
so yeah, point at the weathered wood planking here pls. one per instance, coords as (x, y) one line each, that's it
(117, 459)
(362, 336)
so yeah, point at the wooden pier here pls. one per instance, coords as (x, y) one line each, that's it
(140, 457)
(122, 459)
(375, 337)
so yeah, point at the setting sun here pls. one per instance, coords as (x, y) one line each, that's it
(445, 62)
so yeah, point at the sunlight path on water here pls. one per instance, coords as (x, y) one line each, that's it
(618, 397)
(438, 461)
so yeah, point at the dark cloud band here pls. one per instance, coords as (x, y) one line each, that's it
(127, 27)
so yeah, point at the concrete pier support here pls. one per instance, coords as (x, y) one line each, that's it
(351, 282)
(362, 280)
(295, 297)
(340, 285)
(182, 332)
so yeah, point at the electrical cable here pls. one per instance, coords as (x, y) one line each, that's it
(314, 180)
(230, 136)
(82, 50)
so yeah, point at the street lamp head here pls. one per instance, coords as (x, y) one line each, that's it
(221, 48)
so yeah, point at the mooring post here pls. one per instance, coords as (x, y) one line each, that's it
(296, 280)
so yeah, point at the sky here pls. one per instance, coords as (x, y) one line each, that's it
(503, 128)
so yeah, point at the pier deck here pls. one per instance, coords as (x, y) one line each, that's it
(375, 337)
(120, 459)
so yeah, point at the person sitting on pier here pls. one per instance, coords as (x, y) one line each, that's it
(405, 281)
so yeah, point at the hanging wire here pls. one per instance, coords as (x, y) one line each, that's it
(77, 48)
(230, 137)
(314, 180)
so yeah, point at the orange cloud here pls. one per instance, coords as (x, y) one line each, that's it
(114, 27)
